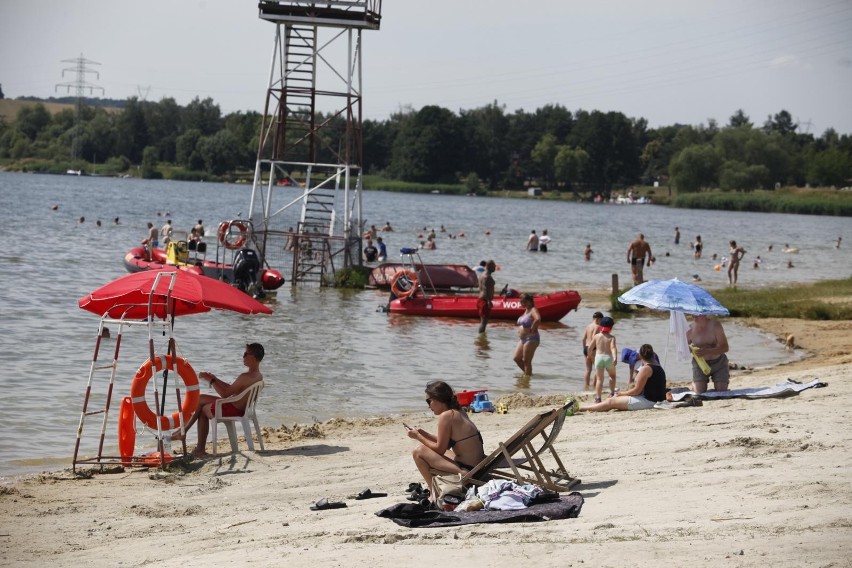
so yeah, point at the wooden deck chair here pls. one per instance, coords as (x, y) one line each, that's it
(517, 459)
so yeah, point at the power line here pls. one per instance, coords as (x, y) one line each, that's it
(79, 84)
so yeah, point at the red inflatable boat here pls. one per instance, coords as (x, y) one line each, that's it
(552, 307)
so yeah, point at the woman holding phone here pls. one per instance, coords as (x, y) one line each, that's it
(457, 434)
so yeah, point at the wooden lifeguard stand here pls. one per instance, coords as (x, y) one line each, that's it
(306, 194)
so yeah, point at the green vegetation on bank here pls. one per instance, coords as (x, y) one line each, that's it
(573, 155)
(385, 184)
(826, 300)
(788, 200)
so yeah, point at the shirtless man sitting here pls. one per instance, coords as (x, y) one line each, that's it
(204, 411)
(637, 252)
(707, 335)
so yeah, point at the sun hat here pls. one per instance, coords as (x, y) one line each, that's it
(607, 323)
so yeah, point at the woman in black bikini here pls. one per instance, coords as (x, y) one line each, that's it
(456, 432)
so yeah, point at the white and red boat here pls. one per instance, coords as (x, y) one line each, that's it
(552, 307)
(241, 267)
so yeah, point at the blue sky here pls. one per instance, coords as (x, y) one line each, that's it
(665, 60)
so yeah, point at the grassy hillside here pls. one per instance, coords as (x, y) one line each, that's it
(9, 108)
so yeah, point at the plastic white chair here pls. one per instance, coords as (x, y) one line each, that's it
(249, 415)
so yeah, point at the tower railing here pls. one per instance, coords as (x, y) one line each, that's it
(310, 147)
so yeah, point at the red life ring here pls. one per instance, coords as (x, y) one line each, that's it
(190, 401)
(404, 283)
(126, 430)
(225, 234)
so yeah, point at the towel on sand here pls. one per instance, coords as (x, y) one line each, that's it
(415, 516)
(787, 388)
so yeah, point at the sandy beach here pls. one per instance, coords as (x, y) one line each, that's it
(730, 483)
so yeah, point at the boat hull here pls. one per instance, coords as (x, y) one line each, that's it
(552, 307)
(441, 276)
(136, 261)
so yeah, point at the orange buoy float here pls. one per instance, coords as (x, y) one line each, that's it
(153, 459)
(126, 429)
(404, 283)
(140, 382)
(226, 235)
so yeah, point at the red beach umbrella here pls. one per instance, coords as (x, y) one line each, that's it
(167, 293)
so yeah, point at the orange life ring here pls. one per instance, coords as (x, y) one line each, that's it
(190, 401)
(225, 234)
(404, 283)
(126, 430)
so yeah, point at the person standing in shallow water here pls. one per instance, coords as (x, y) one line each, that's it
(486, 294)
(543, 241)
(735, 256)
(638, 250)
(528, 336)
(677, 235)
(698, 247)
(532, 242)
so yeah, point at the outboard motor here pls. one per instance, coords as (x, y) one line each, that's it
(246, 269)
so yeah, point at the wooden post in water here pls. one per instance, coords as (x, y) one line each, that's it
(614, 284)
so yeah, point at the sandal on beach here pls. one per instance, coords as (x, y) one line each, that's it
(324, 504)
(597, 400)
(418, 495)
(368, 494)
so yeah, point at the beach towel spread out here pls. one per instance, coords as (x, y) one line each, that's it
(415, 516)
(787, 388)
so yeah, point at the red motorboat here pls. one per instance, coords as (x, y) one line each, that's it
(243, 269)
(432, 276)
(552, 307)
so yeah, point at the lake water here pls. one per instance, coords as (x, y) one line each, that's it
(329, 352)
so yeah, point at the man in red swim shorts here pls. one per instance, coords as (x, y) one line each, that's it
(204, 411)
(486, 294)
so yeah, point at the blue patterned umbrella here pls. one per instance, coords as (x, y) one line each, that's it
(675, 296)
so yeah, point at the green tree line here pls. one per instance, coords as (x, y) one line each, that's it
(588, 152)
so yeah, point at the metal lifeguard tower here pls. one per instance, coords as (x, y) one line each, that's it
(306, 195)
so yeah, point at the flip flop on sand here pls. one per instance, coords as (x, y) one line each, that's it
(324, 504)
(368, 494)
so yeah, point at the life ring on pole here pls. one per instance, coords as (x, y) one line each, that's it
(404, 284)
(140, 382)
(226, 235)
